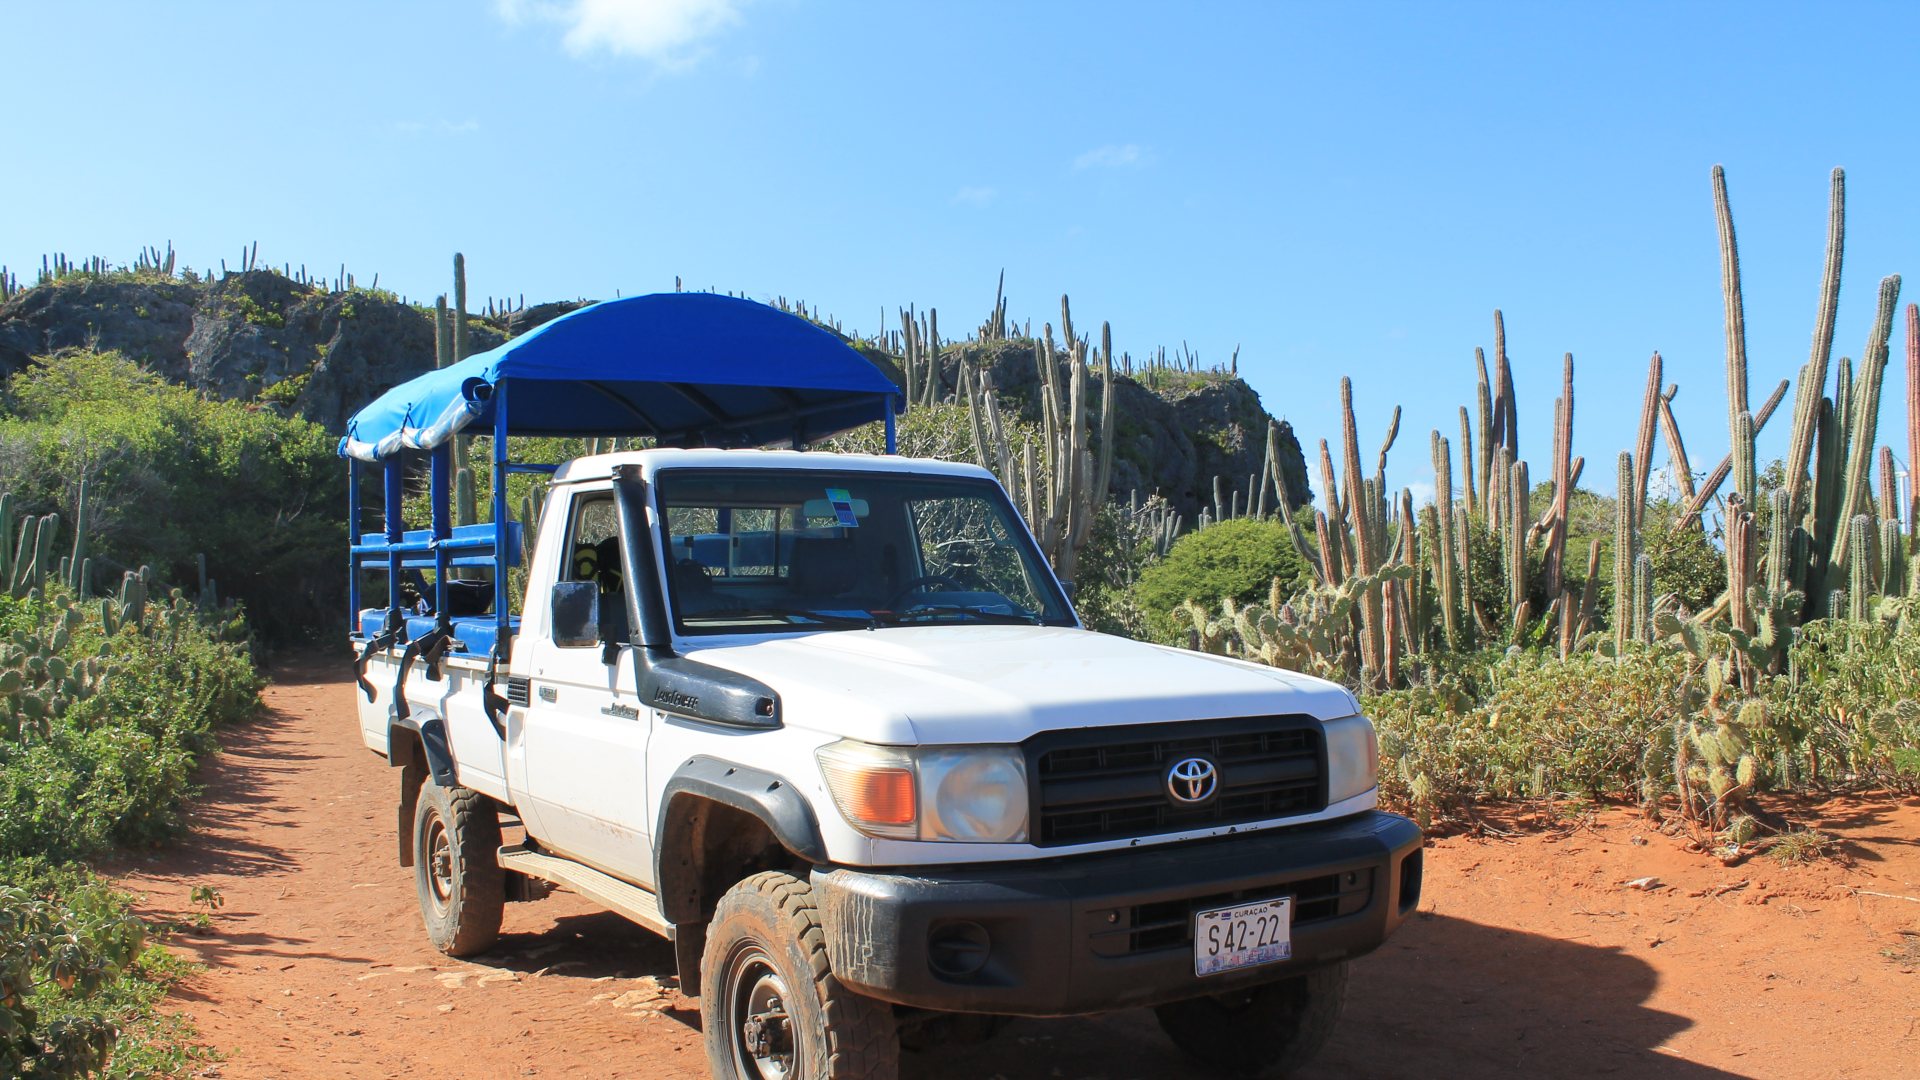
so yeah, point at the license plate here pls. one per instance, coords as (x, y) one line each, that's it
(1227, 939)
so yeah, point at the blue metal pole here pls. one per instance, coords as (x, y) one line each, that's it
(892, 440)
(396, 490)
(501, 604)
(439, 493)
(353, 537)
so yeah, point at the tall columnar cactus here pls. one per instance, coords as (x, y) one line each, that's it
(1912, 508)
(1643, 598)
(1859, 584)
(1740, 563)
(465, 510)
(1518, 519)
(1625, 542)
(1468, 500)
(1863, 419)
(1676, 446)
(1746, 480)
(1447, 592)
(1736, 319)
(1893, 559)
(78, 564)
(1780, 528)
(1366, 559)
(1643, 444)
(1562, 482)
(1813, 376)
(1483, 396)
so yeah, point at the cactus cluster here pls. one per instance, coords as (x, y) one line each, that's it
(1062, 487)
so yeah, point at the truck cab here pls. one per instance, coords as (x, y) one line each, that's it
(830, 723)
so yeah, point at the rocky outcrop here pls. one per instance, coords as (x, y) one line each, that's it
(1170, 440)
(261, 336)
(249, 336)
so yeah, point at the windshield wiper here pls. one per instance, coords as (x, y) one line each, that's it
(922, 611)
(797, 618)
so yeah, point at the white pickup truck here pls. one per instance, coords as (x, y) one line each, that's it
(830, 724)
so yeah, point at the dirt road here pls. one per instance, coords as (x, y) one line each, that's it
(1529, 957)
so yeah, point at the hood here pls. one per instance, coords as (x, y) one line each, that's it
(1001, 684)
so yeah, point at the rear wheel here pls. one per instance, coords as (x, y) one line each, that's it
(770, 1007)
(456, 869)
(1266, 1030)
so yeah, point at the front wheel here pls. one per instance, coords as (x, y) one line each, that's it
(456, 868)
(1268, 1030)
(770, 1006)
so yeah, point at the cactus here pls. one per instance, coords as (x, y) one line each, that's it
(1864, 415)
(1813, 376)
(78, 563)
(1736, 320)
(1447, 592)
(1859, 584)
(1912, 508)
(1643, 444)
(1643, 598)
(1562, 481)
(465, 510)
(1746, 479)
(1626, 536)
(1740, 560)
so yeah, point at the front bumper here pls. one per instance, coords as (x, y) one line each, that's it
(1090, 933)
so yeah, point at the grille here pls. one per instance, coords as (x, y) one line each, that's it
(1168, 924)
(517, 687)
(1111, 783)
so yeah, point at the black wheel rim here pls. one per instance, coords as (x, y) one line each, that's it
(439, 864)
(759, 1026)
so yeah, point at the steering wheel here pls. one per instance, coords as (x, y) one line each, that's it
(945, 580)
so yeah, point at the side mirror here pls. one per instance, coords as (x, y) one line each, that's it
(575, 609)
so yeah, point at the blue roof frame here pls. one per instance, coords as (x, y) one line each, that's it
(687, 369)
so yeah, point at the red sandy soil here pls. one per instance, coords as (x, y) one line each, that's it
(1529, 957)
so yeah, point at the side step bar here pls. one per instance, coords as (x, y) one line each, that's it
(604, 889)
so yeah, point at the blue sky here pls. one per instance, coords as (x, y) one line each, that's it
(1333, 188)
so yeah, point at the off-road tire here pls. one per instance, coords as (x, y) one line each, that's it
(461, 887)
(1266, 1031)
(768, 923)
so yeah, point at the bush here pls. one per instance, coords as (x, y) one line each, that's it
(1529, 724)
(1235, 559)
(172, 475)
(1852, 695)
(78, 981)
(113, 767)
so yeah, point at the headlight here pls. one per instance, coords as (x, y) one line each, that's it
(1353, 758)
(970, 794)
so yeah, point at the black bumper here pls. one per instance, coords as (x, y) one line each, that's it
(1090, 933)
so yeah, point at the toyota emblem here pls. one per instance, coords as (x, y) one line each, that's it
(1192, 780)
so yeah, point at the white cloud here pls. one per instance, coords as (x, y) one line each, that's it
(1112, 156)
(667, 33)
(975, 196)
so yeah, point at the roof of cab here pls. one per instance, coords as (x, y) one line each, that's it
(600, 466)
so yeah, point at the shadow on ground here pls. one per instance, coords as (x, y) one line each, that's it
(1445, 998)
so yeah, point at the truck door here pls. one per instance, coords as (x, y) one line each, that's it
(586, 728)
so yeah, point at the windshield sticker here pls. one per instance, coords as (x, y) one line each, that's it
(842, 504)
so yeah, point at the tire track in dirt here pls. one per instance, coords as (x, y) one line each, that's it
(1526, 960)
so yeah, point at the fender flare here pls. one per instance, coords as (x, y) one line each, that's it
(431, 730)
(771, 799)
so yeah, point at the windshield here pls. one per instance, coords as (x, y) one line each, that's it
(776, 549)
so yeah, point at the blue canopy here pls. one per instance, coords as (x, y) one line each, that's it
(683, 368)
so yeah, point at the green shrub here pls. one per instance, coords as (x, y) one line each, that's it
(79, 981)
(114, 766)
(172, 474)
(1235, 559)
(1528, 724)
(1852, 696)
